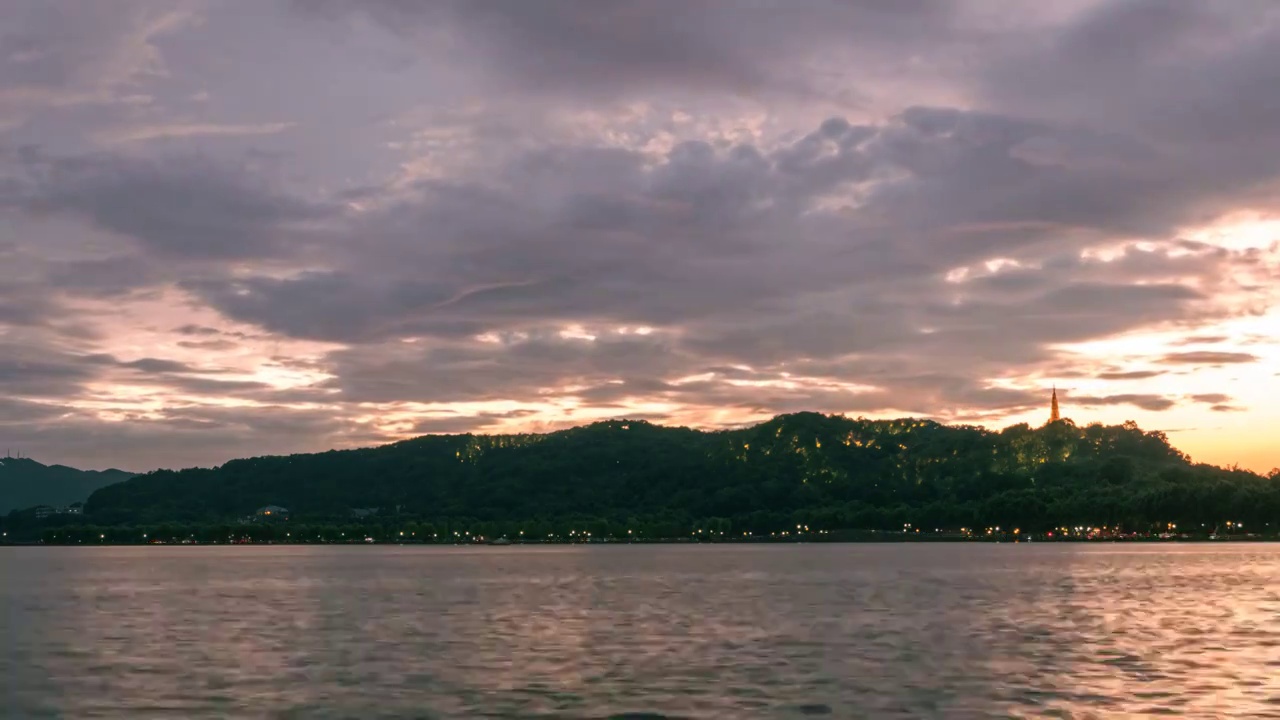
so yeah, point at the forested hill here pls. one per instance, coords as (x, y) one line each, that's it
(825, 471)
(25, 483)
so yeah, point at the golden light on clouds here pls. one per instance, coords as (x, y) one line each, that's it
(706, 222)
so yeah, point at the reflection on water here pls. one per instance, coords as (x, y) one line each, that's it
(895, 631)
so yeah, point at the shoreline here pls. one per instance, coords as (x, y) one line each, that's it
(885, 541)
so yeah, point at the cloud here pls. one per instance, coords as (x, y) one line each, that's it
(197, 330)
(57, 375)
(604, 48)
(696, 233)
(207, 344)
(181, 435)
(1154, 403)
(734, 256)
(1203, 340)
(215, 387)
(105, 277)
(1184, 77)
(1135, 55)
(1130, 375)
(62, 53)
(19, 412)
(1208, 357)
(487, 214)
(157, 365)
(170, 131)
(456, 424)
(24, 303)
(26, 372)
(180, 208)
(1211, 398)
(690, 243)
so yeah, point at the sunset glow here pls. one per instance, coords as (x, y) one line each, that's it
(351, 232)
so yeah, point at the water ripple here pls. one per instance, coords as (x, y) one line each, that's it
(642, 633)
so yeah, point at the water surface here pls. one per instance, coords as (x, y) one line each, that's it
(842, 631)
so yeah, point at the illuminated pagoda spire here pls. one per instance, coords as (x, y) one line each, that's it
(1054, 415)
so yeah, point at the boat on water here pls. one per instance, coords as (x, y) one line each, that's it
(500, 541)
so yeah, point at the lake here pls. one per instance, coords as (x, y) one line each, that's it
(727, 631)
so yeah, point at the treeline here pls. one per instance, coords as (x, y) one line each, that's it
(389, 531)
(827, 472)
(714, 530)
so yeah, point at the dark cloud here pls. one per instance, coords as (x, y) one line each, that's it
(1211, 398)
(1208, 357)
(455, 424)
(197, 330)
(28, 371)
(52, 375)
(207, 344)
(733, 255)
(1192, 78)
(65, 53)
(1154, 403)
(1129, 375)
(180, 208)
(145, 365)
(185, 378)
(157, 365)
(1203, 340)
(484, 370)
(214, 387)
(27, 304)
(103, 278)
(20, 412)
(706, 235)
(1137, 56)
(608, 47)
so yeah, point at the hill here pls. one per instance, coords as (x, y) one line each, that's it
(809, 469)
(25, 483)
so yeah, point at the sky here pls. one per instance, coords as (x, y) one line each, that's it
(242, 227)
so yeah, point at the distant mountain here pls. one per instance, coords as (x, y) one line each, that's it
(26, 483)
(807, 469)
